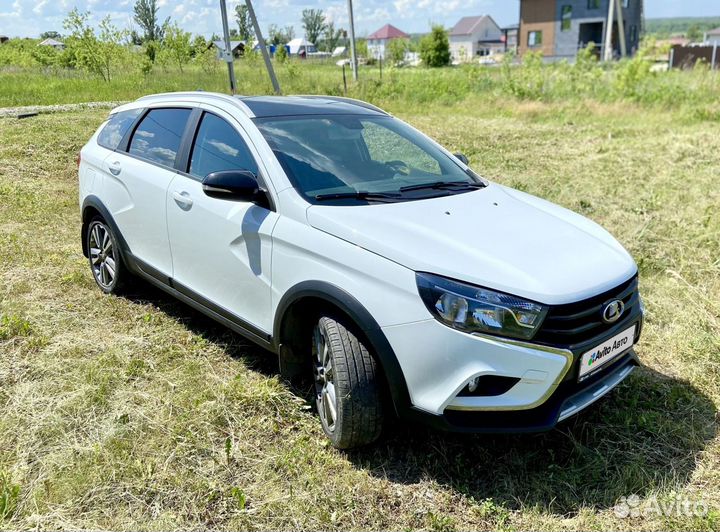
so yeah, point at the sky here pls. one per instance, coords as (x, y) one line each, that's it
(28, 18)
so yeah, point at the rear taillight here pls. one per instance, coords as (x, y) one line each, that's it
(78, 159)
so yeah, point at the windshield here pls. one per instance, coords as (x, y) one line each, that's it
(362, 158)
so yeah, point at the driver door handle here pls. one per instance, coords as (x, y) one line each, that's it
(183, 199)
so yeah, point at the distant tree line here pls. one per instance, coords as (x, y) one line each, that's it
(692, 28)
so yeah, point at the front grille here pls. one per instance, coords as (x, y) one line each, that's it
(575, 323)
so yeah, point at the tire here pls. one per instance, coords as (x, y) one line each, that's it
(347, 386)
(106, 264)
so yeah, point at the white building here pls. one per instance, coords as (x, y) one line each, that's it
(474, 37)
(713, 37)
(377, 42)
(300, 46)
(53, 44)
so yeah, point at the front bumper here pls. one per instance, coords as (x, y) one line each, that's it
(438, 362)
(569, 399)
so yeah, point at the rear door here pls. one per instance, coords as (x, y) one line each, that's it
(221, 249)
(137, 184)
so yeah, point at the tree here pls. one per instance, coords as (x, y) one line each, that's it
(361, 48)
(396, 50)
(146, 17)
(245, 29)
(279, 36)
(177, 45)
(694, 33)
(332, 36)
(95, 53)
(435, 48)
(313, 21)
(199, 45)
(50, 35)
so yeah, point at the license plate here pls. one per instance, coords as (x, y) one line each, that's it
(606, 352)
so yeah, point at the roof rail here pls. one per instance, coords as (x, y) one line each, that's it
(351, 101)
(234, 100)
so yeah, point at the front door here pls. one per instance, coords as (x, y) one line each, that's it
(220, 248)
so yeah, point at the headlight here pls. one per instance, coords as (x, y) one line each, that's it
(474, 309)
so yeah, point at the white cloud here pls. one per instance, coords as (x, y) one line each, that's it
(31, 17)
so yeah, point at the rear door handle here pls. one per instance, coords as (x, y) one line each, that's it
(183, 199)
(115, 168)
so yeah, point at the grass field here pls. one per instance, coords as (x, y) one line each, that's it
(139, 413)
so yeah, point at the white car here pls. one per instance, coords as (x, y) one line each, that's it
(366, 256)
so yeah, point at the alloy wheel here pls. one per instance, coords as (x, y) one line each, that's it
(325, 391)
(102, 255)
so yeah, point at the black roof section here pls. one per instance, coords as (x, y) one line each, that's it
(269, 106)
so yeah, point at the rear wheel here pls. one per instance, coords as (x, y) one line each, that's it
(347, 386)
(106, 263)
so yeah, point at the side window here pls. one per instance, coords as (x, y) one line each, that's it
(157, 137)
(566, 18)
(218, 146)
(534, 38)
(116, 127)
(386, 146)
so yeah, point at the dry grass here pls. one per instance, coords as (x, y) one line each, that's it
(138, 413)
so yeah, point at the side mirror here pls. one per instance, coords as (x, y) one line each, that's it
(462, 158)
(237, 185)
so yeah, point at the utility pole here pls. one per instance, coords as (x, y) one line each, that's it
(608, 51)
(227, 53)
(263, 48)
(353, 51)
(621, 29)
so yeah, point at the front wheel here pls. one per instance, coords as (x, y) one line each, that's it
(347, 386)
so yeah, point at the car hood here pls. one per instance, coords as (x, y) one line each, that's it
(494, 237)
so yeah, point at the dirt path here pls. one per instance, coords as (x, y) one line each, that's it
(18, 111)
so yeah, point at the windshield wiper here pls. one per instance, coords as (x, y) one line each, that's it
(360, 195)
(443, 185)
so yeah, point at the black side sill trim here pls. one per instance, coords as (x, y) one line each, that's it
(200, 303)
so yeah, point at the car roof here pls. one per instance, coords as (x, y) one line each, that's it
(266, 106)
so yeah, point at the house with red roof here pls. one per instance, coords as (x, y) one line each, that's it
(378, 41)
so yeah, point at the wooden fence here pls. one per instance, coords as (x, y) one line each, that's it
(687, 56)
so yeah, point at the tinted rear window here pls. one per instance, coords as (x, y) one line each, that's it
(157, 137)
(116, 128)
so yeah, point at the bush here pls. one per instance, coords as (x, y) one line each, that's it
(435, 48)
(208, 60)
(18, 52)
(281, 54)
(396, 50)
